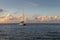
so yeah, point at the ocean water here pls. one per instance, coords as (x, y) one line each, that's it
(34, 31)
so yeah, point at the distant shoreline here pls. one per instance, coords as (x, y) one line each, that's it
(32, 23)
(45, 23)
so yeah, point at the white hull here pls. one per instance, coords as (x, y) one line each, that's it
(22, 23)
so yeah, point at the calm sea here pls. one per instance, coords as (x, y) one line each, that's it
(34, 31)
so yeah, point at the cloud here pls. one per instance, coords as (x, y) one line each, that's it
(1, 10)
(30, 4)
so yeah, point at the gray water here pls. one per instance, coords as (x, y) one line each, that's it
(34, 31)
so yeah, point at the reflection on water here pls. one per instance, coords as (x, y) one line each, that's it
(30, 32)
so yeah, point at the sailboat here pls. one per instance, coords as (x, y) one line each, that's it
(22, 22)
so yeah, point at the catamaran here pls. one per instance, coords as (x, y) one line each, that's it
(22, 22)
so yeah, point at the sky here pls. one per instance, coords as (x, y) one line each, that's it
(31, 7)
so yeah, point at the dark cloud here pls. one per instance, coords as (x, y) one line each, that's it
(1, 10)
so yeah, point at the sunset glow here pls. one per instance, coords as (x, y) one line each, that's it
(10, 18)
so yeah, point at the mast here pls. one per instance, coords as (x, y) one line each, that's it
(23, 14)
(22, 22)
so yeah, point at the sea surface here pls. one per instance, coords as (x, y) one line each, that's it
(31, 31)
